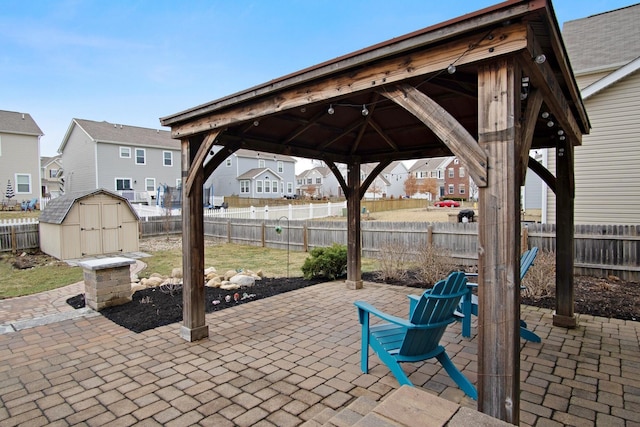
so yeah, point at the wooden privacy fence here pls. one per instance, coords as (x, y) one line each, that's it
(19, 235)
(600, 250)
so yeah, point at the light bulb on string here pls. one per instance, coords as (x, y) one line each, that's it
(331, 110)
(365, 112)
(451, 69)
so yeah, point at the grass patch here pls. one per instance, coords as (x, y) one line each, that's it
(40, 278)
(48, 273)
(273, 262)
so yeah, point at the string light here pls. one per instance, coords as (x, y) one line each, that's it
(545, 115)
(451, 69)
(540, 59)
(331, 110)
(365, 112)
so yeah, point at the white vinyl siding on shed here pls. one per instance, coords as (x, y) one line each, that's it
(607, 175)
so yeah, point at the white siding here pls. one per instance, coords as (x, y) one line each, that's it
(607, 174)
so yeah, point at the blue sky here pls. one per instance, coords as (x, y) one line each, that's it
(134, 61)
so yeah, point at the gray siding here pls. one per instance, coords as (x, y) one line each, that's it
(606, 165)
(79, 160)
(112, 166)
(20, 154)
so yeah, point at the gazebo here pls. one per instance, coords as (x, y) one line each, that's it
(486, 87)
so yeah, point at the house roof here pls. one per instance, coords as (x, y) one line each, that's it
(607, 40)
(46, 161)
(19, 123)
(112, 133)
(255, 172)
(57, 209)
(430, 164)
(392, 166)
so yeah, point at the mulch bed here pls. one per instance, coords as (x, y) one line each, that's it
(154, 307)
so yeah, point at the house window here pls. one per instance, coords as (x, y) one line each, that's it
(451, 174)
(461, 172)
(228, 162)
(125, 152)
(282, 187)
(123, 184)
(267, 186)
(451, 189)
(53, 173)
(274, 186)
(461, 189)
(141, 156)
(244, 186)
(299, 182)
(150, 184)
(280, 167)
(439, 174)
(289, 187)
(261, 163)
(167, 158)
(23, 183)
(258, 186)
(178, 182)
(318, 180)
(309, 181)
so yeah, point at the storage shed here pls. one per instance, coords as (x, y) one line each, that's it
(88, 223)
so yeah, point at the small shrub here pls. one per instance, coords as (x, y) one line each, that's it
(393, 259)
(434, 264)
(328, 262)
(540, 280)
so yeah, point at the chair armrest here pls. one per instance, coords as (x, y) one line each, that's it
(364, 307)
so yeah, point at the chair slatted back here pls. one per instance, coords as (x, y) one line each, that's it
(526, 260)
(435, 308)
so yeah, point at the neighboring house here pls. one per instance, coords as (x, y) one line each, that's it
(395, 174)
(318, 182)
(434, 168)
(456, 180)
(128, 160)
(379, 187)
(51, 173)
(20, 155)
(604, 51)
(253, 174)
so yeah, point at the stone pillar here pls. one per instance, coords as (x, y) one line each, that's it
(107, 282)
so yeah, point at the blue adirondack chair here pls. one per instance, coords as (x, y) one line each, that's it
(29, 205)
(417, 338)
(469, 303)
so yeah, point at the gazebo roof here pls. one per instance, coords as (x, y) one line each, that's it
(290, 115)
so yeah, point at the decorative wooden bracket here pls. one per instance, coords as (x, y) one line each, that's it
(534, 102)
(198, 161)
(445, 126)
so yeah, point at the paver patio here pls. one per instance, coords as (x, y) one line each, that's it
(284, 360)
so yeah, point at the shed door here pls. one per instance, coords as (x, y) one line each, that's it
(111, 227)
(90, 229)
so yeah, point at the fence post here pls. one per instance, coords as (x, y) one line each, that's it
(253, 212)
(266, 211)
(310, 210)
(328, 208)
(429, 235)
(305, 238)
(14, 240)
(524, 239)
(228, 231)
(290, 211)
(263, 233)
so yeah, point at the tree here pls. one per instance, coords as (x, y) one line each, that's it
(410, 185)
(429, 186)
(375, 189)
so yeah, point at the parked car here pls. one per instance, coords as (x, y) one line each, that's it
(446, 204)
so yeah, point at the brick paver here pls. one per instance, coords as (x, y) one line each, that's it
(282, 361)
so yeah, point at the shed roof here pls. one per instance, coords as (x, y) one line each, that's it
(20, 123)
(57, 209)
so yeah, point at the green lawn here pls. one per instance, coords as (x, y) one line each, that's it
(273, 262)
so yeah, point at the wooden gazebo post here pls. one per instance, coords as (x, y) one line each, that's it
(564, 315)
(498, 243)
(354, 244)
(193, 322)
